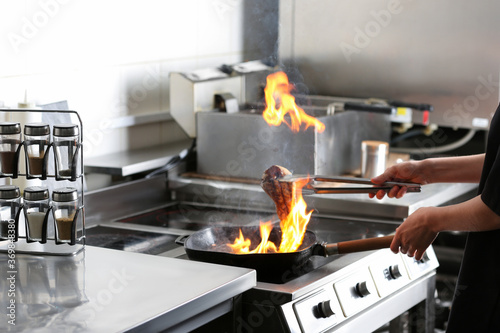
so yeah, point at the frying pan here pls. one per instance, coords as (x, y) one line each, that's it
(210, 245)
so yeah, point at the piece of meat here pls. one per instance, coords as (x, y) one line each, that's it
(280, 192)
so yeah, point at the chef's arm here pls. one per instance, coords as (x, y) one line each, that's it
(471, 215)
(420, 229)
(460, 169)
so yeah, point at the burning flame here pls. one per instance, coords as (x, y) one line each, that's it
(277, 91)
(293, 228)
(242, 244)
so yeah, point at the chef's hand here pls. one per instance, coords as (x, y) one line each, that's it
(410, 172)
(416, 233)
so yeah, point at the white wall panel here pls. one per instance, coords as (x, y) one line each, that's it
(111, 59)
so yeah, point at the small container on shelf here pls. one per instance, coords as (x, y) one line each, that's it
(36, 208)
(36, 143)
(66, 147)
(10, 141)
(10, 204)
(65, 210)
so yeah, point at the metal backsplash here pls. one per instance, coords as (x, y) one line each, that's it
(445, 53)
(242, 145)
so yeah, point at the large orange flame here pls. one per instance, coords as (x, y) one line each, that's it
(293, 228)
(279, 102)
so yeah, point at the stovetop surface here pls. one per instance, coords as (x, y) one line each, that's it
(130, 240)
(156, 239)
(193, 217)
(186, 216)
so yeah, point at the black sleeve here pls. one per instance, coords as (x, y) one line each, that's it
(491, 192)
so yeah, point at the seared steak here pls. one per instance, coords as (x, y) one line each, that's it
(280, 192)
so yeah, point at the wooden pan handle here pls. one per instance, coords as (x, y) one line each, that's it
(359, 245)
(367, 244)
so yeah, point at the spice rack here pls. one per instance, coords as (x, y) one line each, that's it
(53, 236)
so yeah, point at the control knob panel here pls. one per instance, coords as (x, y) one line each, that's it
(417, 268)
(389, 273)
(318, 312)
(356, 292)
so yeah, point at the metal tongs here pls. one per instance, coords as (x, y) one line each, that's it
(319, 185)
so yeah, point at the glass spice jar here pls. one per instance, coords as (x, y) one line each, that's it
(64, 208)
(10, 201)
(66, 140)
(10, 139)
(36, 206)
(36, 139)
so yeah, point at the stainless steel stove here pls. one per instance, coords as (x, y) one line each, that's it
(357, 292)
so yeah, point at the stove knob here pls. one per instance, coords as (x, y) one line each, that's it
(425, 258)
(362, 289)
(325, 309)
(394, 271)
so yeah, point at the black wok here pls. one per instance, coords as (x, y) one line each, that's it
(210, 245)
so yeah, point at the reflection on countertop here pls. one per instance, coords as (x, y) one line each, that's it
(103, 290)
(41, 288)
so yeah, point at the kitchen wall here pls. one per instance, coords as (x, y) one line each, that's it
(445, 53)
(111, 59)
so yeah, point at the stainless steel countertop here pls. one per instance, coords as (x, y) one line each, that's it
(102, 290)
(131, 162)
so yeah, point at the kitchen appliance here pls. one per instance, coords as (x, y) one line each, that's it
(223, 110)
(202, 90)
(352, 292)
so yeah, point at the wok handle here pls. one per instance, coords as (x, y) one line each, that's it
(358, 245)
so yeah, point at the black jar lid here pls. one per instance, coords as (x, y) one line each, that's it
(37, 129)
(9, 192)
(35, 193)
(65, 130)
(10, 128)
(65, 194)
